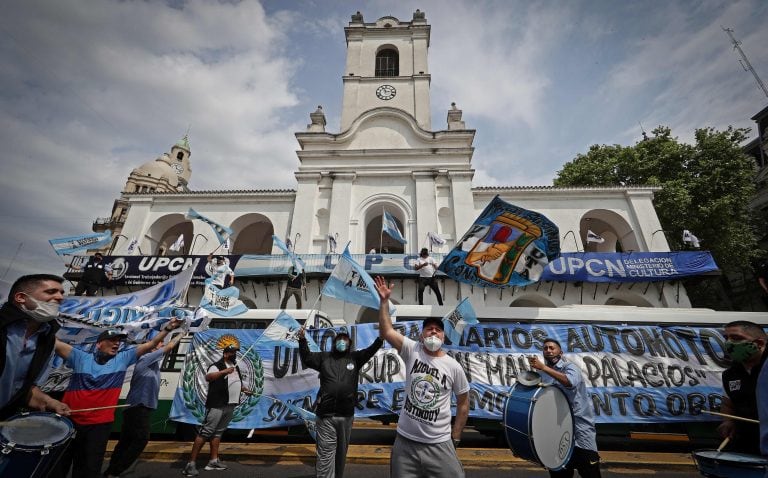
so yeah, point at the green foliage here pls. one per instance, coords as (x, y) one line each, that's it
(706, 188)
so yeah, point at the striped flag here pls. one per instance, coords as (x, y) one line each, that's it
(435, 240)
(222, 232)
(349, 282)
(72, 244)
(298, 263)
(389, 226)
(457, 320)
(594, 237)
(283, 332)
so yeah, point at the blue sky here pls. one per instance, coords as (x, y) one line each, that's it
(91, 89)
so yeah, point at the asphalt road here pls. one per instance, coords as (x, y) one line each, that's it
(147, 469)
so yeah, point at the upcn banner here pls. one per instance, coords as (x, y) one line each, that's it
(634, 374)
(569, 267)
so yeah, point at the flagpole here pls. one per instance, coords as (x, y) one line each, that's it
(381, 234)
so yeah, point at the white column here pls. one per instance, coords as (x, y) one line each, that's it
(463, 204)
(341, 210)
(304, 210)
(426, 207)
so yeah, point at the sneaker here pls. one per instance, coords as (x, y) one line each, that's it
(215, 465)
(190, 470)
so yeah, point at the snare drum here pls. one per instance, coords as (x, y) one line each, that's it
(538, 424)
(724, 464)
(31, 443)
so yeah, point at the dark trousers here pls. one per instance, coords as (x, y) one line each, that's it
(133, 438)
(586, 462)
(88, 288)
(290, 291)
(86, 452)
(429, 281)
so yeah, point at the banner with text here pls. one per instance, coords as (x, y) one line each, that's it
(633, 373)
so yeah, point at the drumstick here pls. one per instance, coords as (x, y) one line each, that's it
(100, 408)
(722, 445)
(750, 420)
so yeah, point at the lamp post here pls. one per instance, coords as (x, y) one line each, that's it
(574, 239)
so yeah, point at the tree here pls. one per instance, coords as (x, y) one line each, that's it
(706, 188)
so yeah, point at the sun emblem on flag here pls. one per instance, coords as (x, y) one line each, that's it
(227, 340)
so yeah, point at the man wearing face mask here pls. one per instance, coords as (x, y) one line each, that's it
(222, 275)
(94, 276)
(745, 344)
(425, 444)
(339, 372)
(27, 337)
(97, 378)
(567, 377)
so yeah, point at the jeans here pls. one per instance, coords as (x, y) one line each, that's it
(133, 438)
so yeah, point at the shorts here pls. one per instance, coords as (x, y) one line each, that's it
(216, 421)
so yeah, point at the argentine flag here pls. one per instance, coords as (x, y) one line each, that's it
(283, 332)
(224, 302)
(72, 244)
(309, 418)
(350, 283)
(222, 232)
(298, 263)
(389, 226)
(458, 319)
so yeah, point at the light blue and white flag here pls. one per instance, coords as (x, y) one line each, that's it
(389, 226)
(283, 332)
(350, 283)
(178, 244)
(298, 263)
(222, 232)
(435, 240)
(458, 319)
(310, 419)
(132, 246)
(223, 302)
(72, 244)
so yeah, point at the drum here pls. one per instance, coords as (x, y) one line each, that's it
(538, 424)
(724, 464)
(31, 443)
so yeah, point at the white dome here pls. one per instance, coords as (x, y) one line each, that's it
(158, 169)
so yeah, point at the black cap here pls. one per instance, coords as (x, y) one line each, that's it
(424, 251)
(111, 334)
(433, 320)
(231, 348)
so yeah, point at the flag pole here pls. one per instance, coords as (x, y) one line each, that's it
(381, 234)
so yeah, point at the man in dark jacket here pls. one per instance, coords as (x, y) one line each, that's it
(225, 384)
(95, 275)
(27, 337)
(335, 405)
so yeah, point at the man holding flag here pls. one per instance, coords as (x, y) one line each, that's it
(427, 267)
(339, 372)
(426, 442)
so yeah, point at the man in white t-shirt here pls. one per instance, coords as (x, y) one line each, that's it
(425, 445)
(427, 268)
(222, 276)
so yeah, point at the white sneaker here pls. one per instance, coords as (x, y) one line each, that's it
(190, 470)
(215, 465)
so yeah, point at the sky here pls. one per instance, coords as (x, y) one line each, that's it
(91, 89)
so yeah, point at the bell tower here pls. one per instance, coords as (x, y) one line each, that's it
(387, 67)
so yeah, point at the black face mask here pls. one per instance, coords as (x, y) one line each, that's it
(101, 358)
(552, 360)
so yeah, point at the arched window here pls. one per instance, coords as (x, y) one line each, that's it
(387, 63)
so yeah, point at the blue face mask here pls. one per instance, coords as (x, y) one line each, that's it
(341, 346)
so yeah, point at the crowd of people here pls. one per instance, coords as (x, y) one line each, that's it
(428, 433)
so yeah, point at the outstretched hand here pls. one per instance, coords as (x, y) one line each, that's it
(384, 290)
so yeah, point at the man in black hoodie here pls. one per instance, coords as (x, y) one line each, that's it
(335, 405)
(27, 336)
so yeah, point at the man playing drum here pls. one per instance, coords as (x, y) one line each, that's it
(745, 344)
(567, 377)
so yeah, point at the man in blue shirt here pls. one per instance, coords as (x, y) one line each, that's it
(142, 396)
(567, 377)
(27, 336)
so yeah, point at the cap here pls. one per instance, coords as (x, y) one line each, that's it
(433, 320)
(231, 348)
(111, 334)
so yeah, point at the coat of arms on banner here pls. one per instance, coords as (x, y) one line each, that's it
(506, 246)
(195, 387)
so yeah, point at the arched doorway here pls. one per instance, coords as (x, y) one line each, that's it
(252, 234)
(380, 242)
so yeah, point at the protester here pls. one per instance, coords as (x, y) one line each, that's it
(224, 389)
(222, 275)
(427, 267)
(294, 287)
(567, 377)
(97, 378)
(142, 397)
(425, 444)
(335, 405)
(745, 344)
(95, 275)
(27, 336)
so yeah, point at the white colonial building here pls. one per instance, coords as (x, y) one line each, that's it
(385, 156)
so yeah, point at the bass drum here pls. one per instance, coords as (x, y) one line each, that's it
(538, 424)
(723, 464)
(32, 443)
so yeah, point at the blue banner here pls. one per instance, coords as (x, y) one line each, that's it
(628, 266)
(506, 246)
(634, 374)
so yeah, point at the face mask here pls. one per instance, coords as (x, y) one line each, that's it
(341, 346)
(433, 343)
(552, 360)
(43, 311)
(740, 351)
